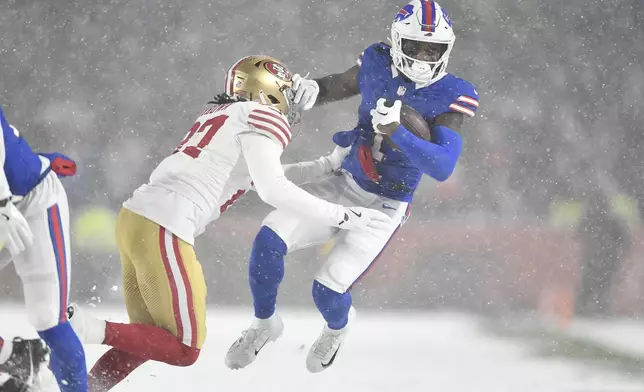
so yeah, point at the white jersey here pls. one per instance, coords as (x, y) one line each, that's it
(206, 173)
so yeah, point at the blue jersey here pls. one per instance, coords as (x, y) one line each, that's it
(23, 168)
(378, 78)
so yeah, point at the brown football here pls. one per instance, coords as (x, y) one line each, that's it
(414, 122)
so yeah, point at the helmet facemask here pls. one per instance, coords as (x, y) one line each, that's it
(421, 41)
(423, 60)
(293, 114)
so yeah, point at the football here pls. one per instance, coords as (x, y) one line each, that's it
(414, 122)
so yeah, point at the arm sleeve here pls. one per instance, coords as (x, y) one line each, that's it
(303, 172)
(263, 159)
(5, 191)
(438, 159)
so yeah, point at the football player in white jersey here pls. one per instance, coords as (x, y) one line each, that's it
(233, 146)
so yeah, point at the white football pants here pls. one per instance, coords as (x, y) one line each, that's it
(44, 267)
(354, 250)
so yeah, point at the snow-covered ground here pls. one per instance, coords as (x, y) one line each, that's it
(625, 335)
(386, 351)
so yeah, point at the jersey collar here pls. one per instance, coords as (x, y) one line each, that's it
(394, 73)
(421, 85)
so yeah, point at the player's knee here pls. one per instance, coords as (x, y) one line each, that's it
(269, 241)
(43, 317)
(320, 290)
(336, 276)
(189, 357)
(328, 298)
(284, 225)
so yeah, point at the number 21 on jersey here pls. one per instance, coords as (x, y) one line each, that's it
(200, 135)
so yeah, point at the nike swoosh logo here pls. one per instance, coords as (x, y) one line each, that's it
(387, 207)
(261, 347)
(6, 216)
(358, 215)
(326, 365)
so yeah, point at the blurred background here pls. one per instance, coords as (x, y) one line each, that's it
(542, 214)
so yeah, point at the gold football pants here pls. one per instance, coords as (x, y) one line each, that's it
(163, 282)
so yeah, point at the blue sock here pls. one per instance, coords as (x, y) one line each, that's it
(333, 305)
(67, 359)
(266, 270)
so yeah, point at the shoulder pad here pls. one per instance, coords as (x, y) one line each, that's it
(269, 122)
(382, 47)
(378, 52)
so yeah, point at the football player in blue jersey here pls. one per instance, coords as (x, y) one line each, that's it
(34, 229)
(381, 171)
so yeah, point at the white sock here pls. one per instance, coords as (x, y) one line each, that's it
(5, 351)
(269, 322)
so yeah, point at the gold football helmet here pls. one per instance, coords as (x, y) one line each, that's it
(265, 80)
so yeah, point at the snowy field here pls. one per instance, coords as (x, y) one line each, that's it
(403, 351)
(621, 335)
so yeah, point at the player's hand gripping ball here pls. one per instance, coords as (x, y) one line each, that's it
(386, 119)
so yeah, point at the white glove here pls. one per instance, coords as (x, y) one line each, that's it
(337, 156)
(14, 229)
(360, 218)
(306, 91)
(383, 115)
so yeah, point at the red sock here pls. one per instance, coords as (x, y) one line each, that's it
(150, 342)
(111, 369)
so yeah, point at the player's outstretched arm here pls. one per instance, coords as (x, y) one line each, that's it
(262, 156)
(304, 172)
(337, 87)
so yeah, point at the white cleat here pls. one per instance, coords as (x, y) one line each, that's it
(324, 351)
(89, 329)
(245, 349)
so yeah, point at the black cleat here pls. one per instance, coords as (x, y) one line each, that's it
(25, 361)
(13, 385)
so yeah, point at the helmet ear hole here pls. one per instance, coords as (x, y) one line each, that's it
(273, 99)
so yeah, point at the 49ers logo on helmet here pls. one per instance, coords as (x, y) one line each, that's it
(278, 70)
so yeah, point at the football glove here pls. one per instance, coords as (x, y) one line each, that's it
(337, 156)
(360, 218)
(383, 114)
(61, 164)
(306, 91)
(14, 229)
